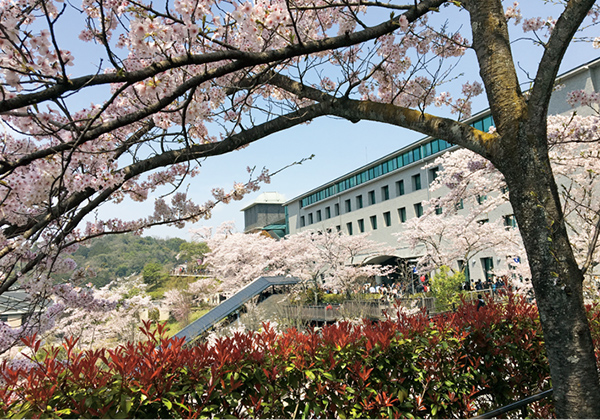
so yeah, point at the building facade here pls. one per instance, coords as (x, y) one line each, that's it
(381, 196)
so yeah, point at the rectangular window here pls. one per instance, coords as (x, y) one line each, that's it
(385, 193)
(349, 228)
(416, 154)
(400, 187)
(387, 218)
(361, 225)
(481, 198)
(438, 209)
(416, 182)
(488, 267)
(348, 206)
(433, 173)
(460, 205)
(464, 267)
(510, 221)
(328, 212)
(419, 209)
(373, 222)
(338, 228)
(310, 218)
(402, 214)
(318, 215)
(302, 221)
(371, 198)
(359, 202)
(483, 221)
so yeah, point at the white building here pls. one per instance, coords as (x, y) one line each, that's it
(382, 195)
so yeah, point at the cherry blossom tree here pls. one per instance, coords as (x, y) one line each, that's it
(468, 187)
(331, 259)
(198, 79)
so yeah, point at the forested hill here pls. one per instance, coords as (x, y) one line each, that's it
(115, 256)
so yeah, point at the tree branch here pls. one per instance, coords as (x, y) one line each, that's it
(563, 32)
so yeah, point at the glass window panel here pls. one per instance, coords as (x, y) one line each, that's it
(417, 153)
(427, 150)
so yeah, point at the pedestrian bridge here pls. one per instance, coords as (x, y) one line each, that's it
(229, 306)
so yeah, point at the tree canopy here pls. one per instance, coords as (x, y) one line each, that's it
(192, 80)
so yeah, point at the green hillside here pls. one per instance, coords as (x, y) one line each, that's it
(115, 256)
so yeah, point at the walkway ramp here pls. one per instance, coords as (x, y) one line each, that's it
(230, 305)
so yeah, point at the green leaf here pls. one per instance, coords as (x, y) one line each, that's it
(310, 375)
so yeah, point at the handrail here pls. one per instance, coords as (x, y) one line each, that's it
(516, 405)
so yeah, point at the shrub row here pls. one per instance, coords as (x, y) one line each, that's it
(456, 365)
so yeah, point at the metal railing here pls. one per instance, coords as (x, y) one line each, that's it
(515, 406)
(370, 309)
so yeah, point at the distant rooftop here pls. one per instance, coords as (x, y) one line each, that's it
(267, 198)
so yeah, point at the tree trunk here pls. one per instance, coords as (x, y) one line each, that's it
(556, 278)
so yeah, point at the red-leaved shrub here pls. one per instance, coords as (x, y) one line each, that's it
(453, 365)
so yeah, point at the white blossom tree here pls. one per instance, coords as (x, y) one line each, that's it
(470, 187)
(330, 259)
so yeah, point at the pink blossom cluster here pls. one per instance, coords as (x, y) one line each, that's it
(513, 12)
(581, 97)
(535, 24)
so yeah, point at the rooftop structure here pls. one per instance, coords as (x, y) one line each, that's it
(266, 214)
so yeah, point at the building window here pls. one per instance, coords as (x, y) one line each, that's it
(483, 221)
(348, 206)
(318, 215)
(361, 225)
(328, 212)
(488, 266)
(338, 228)
(302, 221)
(310, 218)
(402, 214)
(464, 267)
(373, 222)
(385, 193)
(349, 228)
(438, 209)
(416, 182)
(433, 173)
(400, 187)
(336, 209)
(481, 198)
(359, 202)
(387, 218)
(460, 205)
(371, 198)
(510, 221)
(419, 209)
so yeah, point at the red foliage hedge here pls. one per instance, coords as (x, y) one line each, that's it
(457, 365)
